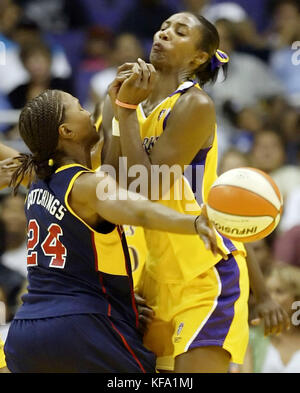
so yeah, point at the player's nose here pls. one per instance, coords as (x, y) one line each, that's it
(164, 35)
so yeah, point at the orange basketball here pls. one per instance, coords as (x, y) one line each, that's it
(244, 204)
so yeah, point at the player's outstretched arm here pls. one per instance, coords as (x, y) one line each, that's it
(8, 165)
(7, 168)
(7, 152)
(92, 196)
(273, 316)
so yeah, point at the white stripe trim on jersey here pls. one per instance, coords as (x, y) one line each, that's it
(142, 110)
(209, 314)
(223, 243)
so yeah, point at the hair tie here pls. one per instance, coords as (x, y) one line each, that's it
(219, 59)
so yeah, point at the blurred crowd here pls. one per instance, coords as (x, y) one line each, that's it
(77, 45)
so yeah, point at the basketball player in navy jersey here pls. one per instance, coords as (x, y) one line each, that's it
(79, 314)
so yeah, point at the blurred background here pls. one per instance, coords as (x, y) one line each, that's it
(77, 45)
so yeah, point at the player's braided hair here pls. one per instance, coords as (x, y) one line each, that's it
(38, 125)
(209, 43)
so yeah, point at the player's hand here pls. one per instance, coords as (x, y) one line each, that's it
(7, 168)
(124, 72)
(146, 314)
(207, 233)
(273, 316)
(137, 87)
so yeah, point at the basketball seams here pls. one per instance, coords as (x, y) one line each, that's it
(244, 204)
(269, 184)
(245, 189)
(269, 179)
(241, 215)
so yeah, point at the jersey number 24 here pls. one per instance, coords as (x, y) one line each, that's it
(51, 246)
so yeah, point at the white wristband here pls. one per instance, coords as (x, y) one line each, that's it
(115, 127)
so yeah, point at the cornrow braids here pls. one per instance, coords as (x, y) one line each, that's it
(38, 125)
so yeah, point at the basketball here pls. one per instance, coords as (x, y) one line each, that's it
(244, 204)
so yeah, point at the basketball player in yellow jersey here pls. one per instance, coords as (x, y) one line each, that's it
(199, 299)
(3, 368)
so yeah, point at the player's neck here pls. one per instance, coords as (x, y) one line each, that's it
(166, 84)
(77, 155)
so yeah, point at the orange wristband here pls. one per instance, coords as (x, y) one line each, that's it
(124, 105)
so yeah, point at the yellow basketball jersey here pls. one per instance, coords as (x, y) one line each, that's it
(135, 236)
(2, 356)
(172, 257)
(138, 250)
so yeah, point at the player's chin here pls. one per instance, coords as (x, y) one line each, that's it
(158, 59)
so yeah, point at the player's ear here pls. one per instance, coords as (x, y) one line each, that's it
(65, 132)
(200, 58)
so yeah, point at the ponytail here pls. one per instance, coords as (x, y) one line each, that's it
(30, 166)
(209, 71)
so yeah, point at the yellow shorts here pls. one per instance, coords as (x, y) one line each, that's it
(210, 310)
(2, 356)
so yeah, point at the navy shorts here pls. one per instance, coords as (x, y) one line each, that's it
(76, 344)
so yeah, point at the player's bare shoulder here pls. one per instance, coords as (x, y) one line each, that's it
(198, 97)
(83, 188)
(196, 102)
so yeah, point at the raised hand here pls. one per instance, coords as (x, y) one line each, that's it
(136, 88)
(124, 72)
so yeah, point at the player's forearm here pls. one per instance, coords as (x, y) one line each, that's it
(111, 149)
(132, 148)
(131, 143)
(257, 282)
(7, 152)
(158, 217)
(146, 214)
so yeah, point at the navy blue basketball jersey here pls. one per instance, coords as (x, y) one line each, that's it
(73, 268)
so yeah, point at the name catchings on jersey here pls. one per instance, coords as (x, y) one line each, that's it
(45, 199)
